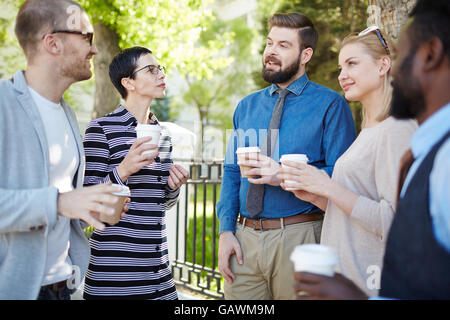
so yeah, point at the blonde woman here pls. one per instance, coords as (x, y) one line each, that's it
(360, 198)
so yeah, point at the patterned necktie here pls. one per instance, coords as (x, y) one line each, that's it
(255, 195)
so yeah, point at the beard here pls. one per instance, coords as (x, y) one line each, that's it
(283, 75)
(77, 71)
(408, 101)
(75, 67)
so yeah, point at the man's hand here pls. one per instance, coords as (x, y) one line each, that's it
(228, 245)
(263, 166)
(311, 286)
(88, 203)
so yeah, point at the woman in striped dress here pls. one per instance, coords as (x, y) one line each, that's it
(130, 259)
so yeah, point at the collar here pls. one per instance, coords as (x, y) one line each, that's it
(134, 122)
(21, 85)
(295, 87)
(430, 132)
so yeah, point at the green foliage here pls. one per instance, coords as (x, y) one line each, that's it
(160, 107)
(11, 55)
(171, 28)
(215, 98)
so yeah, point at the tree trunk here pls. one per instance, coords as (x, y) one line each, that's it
(107, 97)
(389, 15)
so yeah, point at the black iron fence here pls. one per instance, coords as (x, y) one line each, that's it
(194, 262)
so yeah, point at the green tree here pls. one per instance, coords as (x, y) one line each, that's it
(214, 99)
(11, 55)
(171, 28)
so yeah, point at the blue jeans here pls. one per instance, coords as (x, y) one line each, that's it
(48, 293)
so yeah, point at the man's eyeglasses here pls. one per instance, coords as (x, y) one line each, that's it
(379, 35)
(89, 36)
(152, 69)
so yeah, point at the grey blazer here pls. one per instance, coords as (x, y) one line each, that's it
(28, 205)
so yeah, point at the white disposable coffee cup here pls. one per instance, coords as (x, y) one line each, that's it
(149, 130)
(118, 206)
(241, 153)
(295, 157)
(314, 258)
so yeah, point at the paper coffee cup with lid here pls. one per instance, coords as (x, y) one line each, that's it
(118, 206)
(294, 157)
(314, 258)
(241, 153)
(149, 130)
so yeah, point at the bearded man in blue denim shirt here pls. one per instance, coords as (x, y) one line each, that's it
(254, 247)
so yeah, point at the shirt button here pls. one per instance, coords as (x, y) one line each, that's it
(157, 248)
(159, 179)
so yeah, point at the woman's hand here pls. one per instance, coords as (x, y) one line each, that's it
(178, 176)
(135, 160)
(308, 179)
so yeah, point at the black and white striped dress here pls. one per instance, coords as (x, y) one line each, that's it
(129, 259)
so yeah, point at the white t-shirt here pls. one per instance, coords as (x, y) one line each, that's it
(63, 156)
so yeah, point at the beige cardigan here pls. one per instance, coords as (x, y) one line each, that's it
(369, 168)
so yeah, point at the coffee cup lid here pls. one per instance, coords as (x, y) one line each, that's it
(315, 254)
(294, 157)
(151, 127)
(248, 149)
(124, 192)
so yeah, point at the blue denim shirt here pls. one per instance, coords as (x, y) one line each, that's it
(316, 121)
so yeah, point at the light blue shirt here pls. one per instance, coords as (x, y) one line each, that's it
(426, 136)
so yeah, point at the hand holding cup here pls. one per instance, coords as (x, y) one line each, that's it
(258, 168)
(141, 154)
(300, 176)
(88, 203)
(243, 155)
(119, 206)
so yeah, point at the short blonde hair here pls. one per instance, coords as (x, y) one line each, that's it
(374, 48)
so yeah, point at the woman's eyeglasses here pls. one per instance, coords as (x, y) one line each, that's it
(152, 69)
(379, 35)
(89, 36)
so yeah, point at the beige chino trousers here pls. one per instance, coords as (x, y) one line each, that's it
(267, 272)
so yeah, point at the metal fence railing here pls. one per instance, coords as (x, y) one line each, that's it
(195, 231)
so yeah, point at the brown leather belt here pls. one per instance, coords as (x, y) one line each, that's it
(277, 223)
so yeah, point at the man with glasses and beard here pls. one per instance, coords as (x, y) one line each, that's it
(417, 256)
(42, 160)
(260, 223)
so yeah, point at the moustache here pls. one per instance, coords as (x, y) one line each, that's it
(273, 60)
